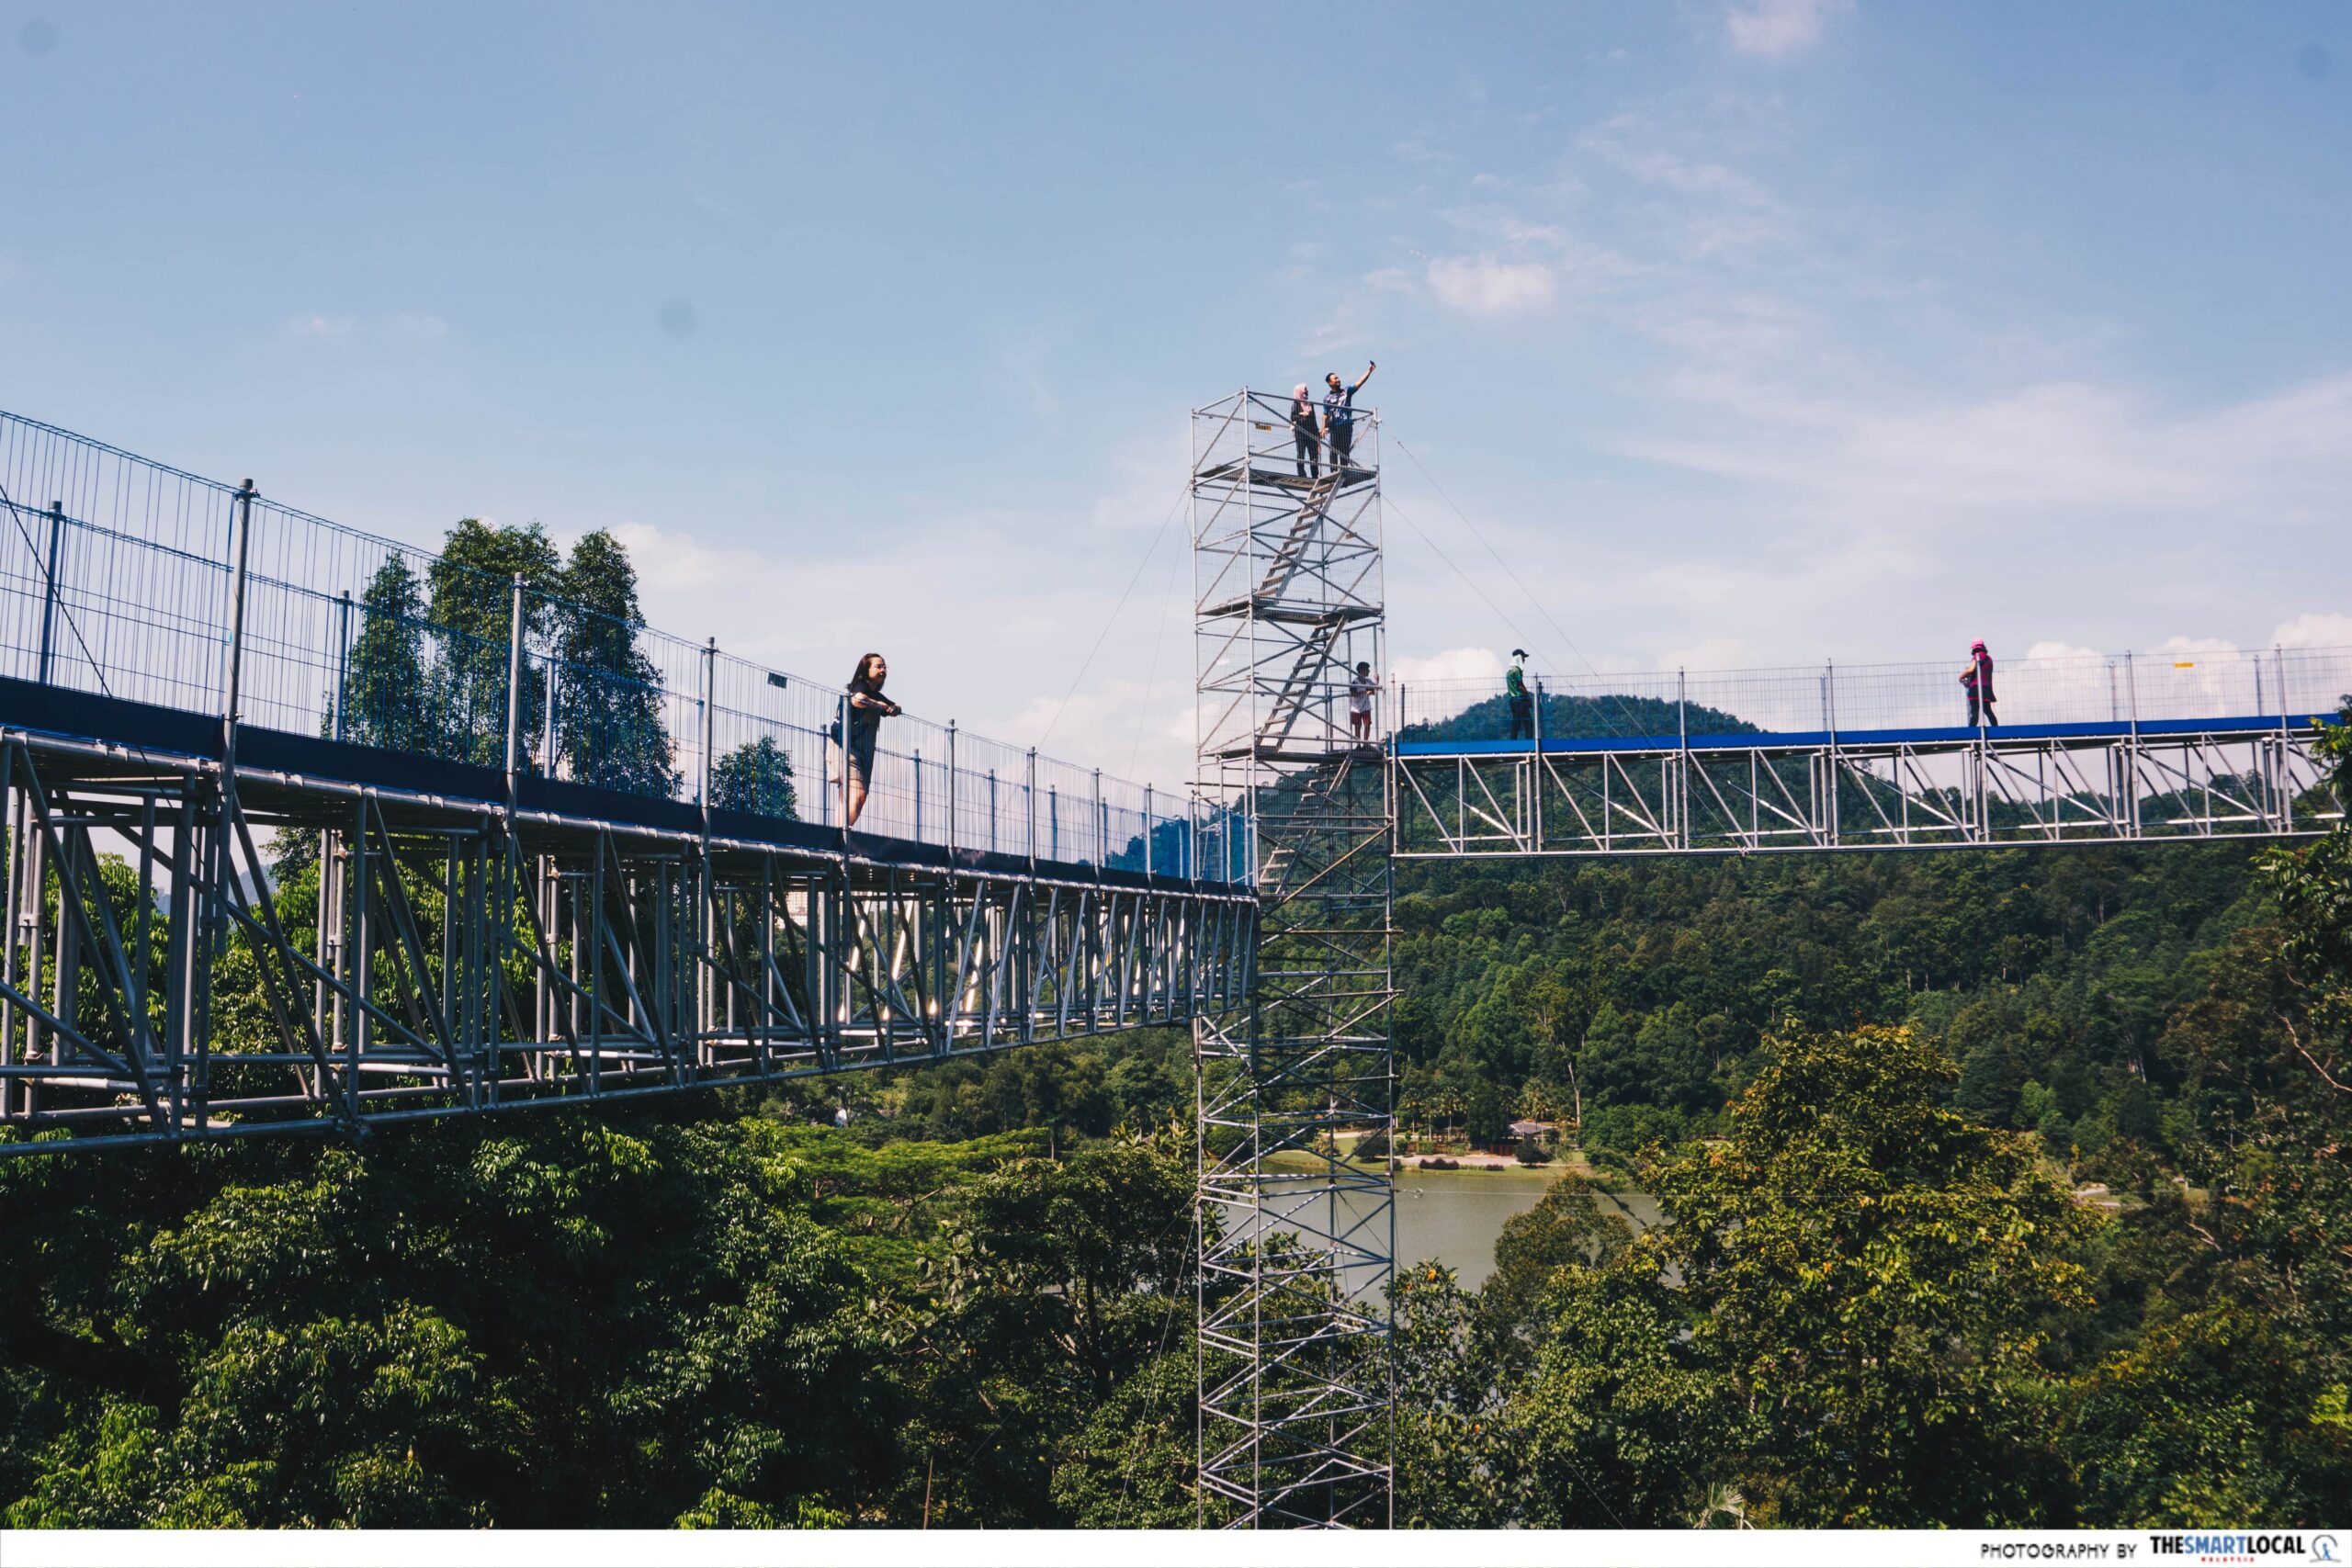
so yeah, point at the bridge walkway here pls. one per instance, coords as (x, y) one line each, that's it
(309, 830)
(1670, 767)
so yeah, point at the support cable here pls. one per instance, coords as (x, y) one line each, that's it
(1467, 580)
(1150, 550)
(1151, 681)
(1478, 534)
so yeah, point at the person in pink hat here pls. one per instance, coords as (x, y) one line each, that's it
(1978, 680)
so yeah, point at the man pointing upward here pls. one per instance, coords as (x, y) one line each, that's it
(1339, 415)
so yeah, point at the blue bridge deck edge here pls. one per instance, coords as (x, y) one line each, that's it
(1763, 740)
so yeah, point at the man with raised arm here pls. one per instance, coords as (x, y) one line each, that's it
(1339, 416)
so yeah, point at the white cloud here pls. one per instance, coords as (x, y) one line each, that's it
(2317, 629)
(1453, 664)
(1146, 481)
(983, 616)
(1774, 29)
(1708, 653)
(316, 325)
(2008, 460)
(1720, 213)
(2192, 649)
(414, 326)
(1484, 286)
(1685, 176)
(2058, 648)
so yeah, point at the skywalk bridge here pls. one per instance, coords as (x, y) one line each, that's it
(558, 856)
(2090, 750)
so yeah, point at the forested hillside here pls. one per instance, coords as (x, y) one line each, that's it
(1633, 996)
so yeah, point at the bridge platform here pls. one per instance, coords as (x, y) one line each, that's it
(2097, 731)
(303, 780)
(455, 952)
(310, 830)
(1887, 786)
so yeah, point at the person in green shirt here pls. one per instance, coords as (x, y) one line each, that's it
(1522, 703)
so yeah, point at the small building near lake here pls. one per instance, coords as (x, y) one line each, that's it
(1543, 1134)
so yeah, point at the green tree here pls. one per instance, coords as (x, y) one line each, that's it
(383, 683)
(1131, 1465)
(608, 723)
(472, 610)
(322, 1335)
(1626, 1414)
(755, 776)
(2211, 1418)
(1099, 1243)
(1451, 1467)
(1575, 1224)
(1870, 1270)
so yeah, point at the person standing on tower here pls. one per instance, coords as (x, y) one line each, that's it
(1522, 701)
(1339, 416)
(1360, 694)
(1306, 445)
(1978, 680)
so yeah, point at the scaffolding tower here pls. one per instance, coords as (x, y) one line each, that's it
(1296, 1236)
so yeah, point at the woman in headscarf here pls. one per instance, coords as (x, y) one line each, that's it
(1978, 680)
(1306, 445)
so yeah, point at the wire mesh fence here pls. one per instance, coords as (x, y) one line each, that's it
(114, 569)
(118, 577)
(2125, 688)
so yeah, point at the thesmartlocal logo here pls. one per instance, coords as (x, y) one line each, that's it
(2245, 1546)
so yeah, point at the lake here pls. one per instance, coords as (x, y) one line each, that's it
(1454, 1216)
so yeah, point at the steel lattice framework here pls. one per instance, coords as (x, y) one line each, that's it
(2091, 783)
(467, 954)
(560, 855)
(1296, 1242)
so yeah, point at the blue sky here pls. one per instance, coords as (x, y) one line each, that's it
(1755, 331)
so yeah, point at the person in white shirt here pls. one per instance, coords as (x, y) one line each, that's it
(1359, 691)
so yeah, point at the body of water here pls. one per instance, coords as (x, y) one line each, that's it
(1454, 1216)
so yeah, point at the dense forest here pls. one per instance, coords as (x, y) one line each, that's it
(1998, 1188)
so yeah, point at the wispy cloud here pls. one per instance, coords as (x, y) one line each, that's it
(1619, 143)
(318, 326)
(1482, 286)
(2022, 453)
(1453, 664)
(955, 602)
(1839, 448)
(1775, 30)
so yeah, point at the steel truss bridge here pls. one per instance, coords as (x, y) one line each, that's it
(558, 860)
(2098, 781)
(564, 858)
